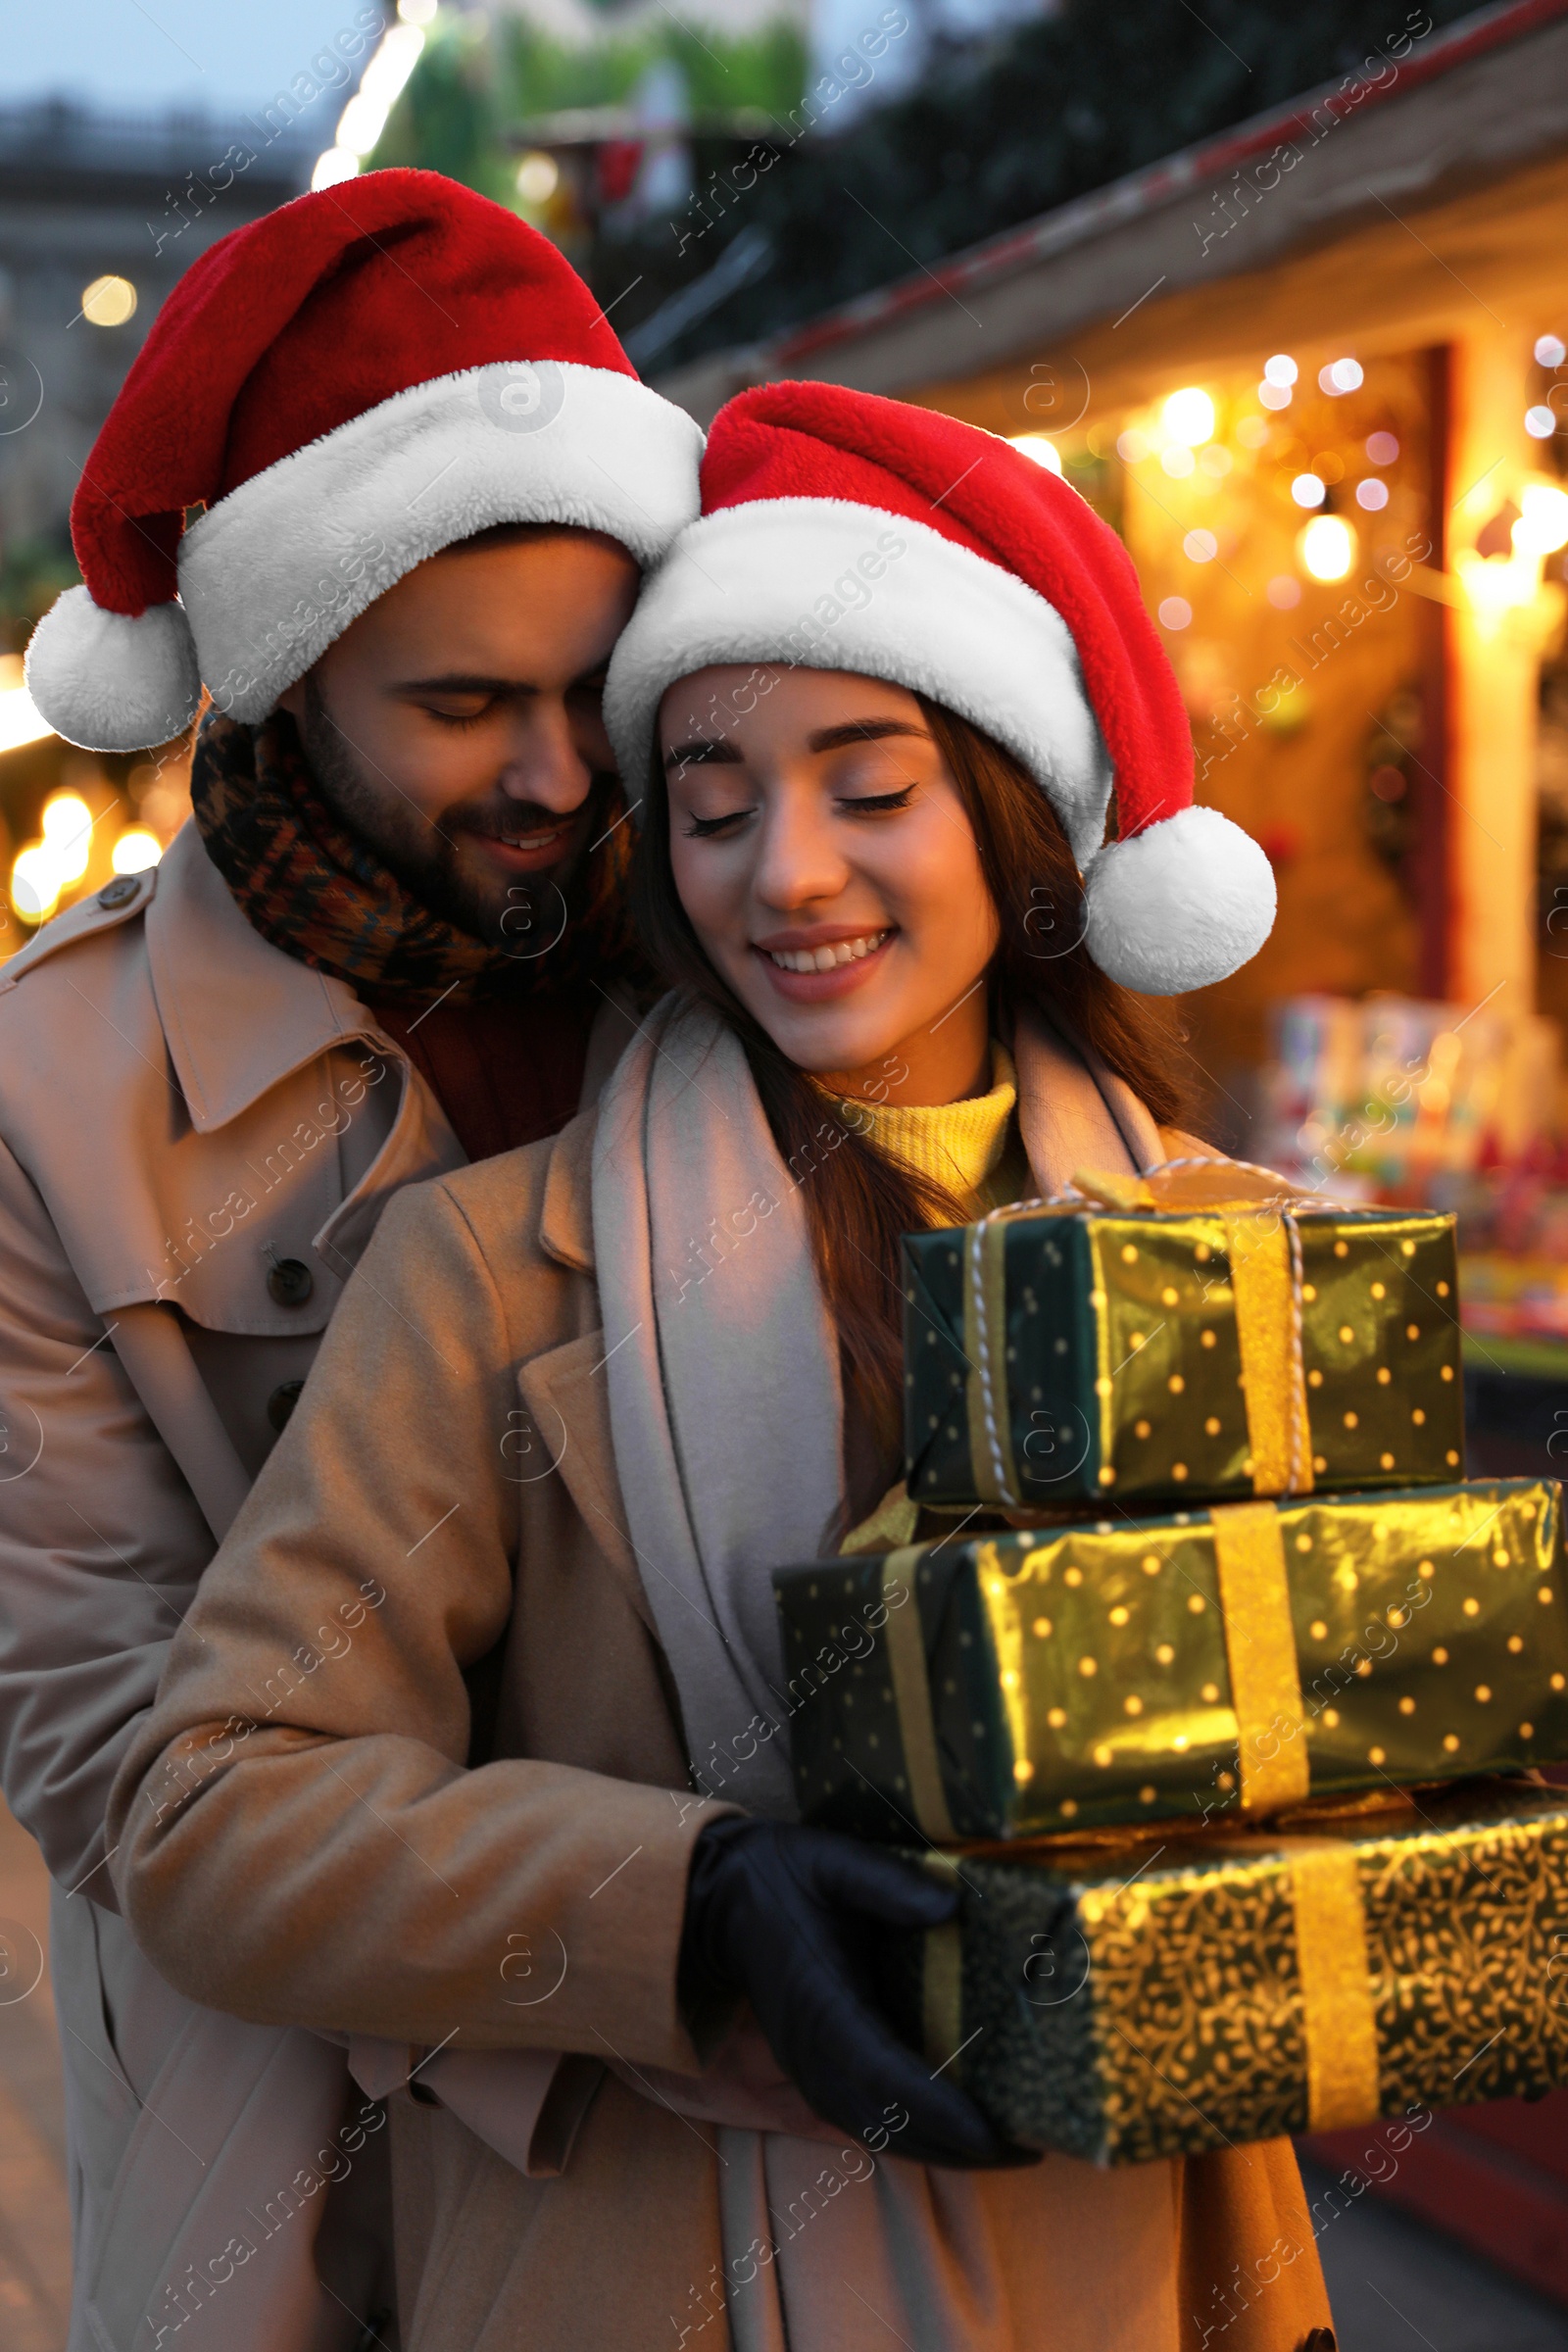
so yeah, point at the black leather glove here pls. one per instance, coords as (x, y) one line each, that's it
(791, 1918)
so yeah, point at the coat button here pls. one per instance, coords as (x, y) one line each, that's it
(119, 892)
(281, 1402)
(290, 1282)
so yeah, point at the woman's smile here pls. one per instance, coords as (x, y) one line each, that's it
(809, 967)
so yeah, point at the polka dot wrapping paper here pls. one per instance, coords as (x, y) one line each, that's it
(1217, 1665)
(1069, 1356)
(1126, 1999)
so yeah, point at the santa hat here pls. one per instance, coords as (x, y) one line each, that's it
(347, 386)
(840, 531)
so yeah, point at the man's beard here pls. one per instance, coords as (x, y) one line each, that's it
(423, 854)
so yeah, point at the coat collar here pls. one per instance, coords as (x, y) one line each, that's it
(566, 1217)
(238, 1014)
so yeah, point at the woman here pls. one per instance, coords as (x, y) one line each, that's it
(482, 1700)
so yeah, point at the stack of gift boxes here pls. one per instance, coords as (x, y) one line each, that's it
(1224, 1729)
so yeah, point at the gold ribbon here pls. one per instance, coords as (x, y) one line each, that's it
(911, 1695)
(1338, 2018)
(942, 1978)
(1334, 1970)
(1254, 1206)
(1254, 1600)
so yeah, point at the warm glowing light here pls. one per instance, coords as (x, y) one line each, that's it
(1200, 547)
(1284, 592)
(1498, 586)
(381, 85)
(1308, 490)
(1215, 460)
(20, 720)
(1177, 459)
(1541, 423)
(67, 834)
(34, 883)
(417, 11)
(1274, 396)
(1542, 526)
(335, 165)
(1252, 432)
(1280, 369)
(135, 850)
(1550, 351)
(1339, 376)
(1188, 417)
(1380, 449)
(1175, 613)
(1373, 494)
(1042, 449)
(109, 301)
(1132, 446)
(538, 178)
(1327, 547)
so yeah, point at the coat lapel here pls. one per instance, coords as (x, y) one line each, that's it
(566, 1400)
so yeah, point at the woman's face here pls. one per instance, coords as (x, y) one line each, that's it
(826, 862)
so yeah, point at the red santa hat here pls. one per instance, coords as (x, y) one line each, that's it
(840, 531)
(346, 386)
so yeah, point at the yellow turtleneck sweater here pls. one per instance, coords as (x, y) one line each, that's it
(972, 1148)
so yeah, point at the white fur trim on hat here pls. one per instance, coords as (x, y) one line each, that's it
(109, 681)
(1183, 904)
(830, 584)
(273, 573)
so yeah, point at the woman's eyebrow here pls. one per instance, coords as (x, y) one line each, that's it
(705, 752)
(863, 730)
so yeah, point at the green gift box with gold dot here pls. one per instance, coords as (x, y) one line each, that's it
(1228, 1662)
(1194, 1335)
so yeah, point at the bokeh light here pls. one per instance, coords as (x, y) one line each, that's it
(538, 178)
(109, 301)
(1188, 417)
(135, 850)
(1327, 547)
(1040, 448)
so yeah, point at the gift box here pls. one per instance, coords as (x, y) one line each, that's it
(1130, 1999)
(1234, 1660)
(1191, 1335)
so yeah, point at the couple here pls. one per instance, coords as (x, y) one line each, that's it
(428, 1779)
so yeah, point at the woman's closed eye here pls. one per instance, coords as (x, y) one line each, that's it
(859, 804)
(704, 828)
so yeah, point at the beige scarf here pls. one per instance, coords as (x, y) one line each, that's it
(727, 1417)
(725, 1399)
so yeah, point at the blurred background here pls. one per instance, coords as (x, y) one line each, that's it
(1279, 289)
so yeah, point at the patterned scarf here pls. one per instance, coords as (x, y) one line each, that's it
(316, 889)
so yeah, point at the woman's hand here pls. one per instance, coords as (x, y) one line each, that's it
(790, 1917)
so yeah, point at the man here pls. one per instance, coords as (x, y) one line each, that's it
(420, 480)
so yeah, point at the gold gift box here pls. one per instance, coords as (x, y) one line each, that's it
(1185, 1337)
(1132, 1999)
(1237, 1659)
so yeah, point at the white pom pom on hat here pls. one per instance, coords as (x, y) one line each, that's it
(122, 680)
(842, 532)
(346, 386)
(1179, 905)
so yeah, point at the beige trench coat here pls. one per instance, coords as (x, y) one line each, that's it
(182, 1109)
(416, 1771)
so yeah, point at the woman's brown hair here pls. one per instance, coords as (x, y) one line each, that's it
(859, 1200)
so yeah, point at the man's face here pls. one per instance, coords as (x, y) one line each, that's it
(455, 725)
